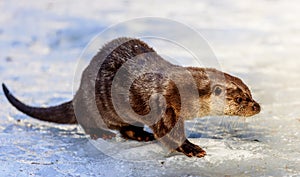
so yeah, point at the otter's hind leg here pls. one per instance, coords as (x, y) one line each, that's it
(136, 133)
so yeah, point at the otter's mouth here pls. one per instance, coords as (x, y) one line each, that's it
(256, 108)
(251, 109)
(246, 110)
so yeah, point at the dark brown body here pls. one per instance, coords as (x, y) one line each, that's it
(128, 85)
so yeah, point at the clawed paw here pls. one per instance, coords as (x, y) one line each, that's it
(191, 150)
(138, 135)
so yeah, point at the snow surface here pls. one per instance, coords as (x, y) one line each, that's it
(256, 40)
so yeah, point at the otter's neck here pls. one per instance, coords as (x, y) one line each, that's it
(196, 93)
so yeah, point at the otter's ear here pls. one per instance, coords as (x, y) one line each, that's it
(218, 90)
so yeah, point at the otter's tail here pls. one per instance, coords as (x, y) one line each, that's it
(63, 113)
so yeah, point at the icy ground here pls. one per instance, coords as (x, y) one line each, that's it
(256, 40)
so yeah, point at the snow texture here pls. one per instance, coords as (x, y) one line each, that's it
(257, 41)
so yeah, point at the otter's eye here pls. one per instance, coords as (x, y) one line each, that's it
(217, 90)
(239, 99)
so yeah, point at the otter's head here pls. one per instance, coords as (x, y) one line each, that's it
(230, 96)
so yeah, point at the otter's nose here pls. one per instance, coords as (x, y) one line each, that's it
(256, 107)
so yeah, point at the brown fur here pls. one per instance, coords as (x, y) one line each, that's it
(159, 95)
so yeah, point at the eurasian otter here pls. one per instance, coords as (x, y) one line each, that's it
(128, 85)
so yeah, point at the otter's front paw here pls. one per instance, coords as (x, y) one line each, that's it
(191, 150)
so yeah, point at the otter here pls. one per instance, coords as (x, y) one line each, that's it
(128, 85)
